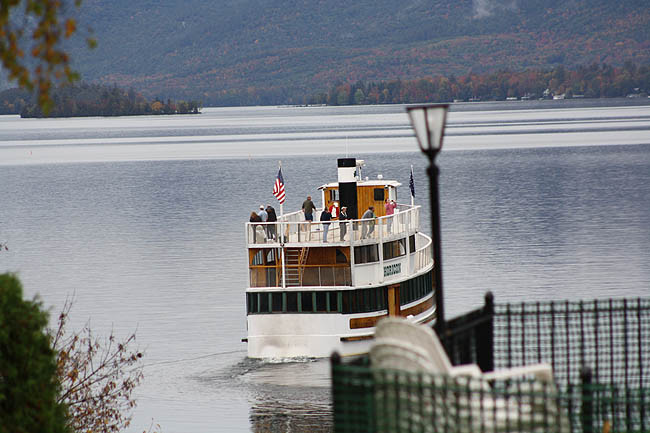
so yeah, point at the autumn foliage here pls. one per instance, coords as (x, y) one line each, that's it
(47, 62)
(594, 81)
(92, 100)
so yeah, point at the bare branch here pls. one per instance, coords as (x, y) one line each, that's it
(97, 376)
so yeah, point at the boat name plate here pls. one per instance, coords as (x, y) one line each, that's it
(393, 269)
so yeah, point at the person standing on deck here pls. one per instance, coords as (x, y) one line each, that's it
(325, 218)
(262, 214)
(255, 218)
(272, 218)
(390, 210)
(368, 226)
(343, 225)
(334, 209)
(308, 208)
(264, 217)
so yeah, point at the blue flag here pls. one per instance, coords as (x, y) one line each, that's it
(412, 183)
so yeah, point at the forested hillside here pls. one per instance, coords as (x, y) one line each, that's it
(243, 52)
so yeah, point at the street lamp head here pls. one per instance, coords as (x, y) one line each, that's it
(428, 121)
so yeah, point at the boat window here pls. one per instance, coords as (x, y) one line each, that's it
(321, 301)
(334, 301)
(258, 258)
(414, 289)
(292, 302)
(372, 302)
(352, 301)
(367, 306)
(264, 302)
(379, 194)
(265, 256)
(252, 302)
(363, 300)
(405, 292)
(412, 243)
(334, 194)
(366, 254)
(276, 305)
(394, 249)
(383, 298)
(345, 301)
(307, 302)
(361, 304)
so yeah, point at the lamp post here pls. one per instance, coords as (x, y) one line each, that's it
(428, 121)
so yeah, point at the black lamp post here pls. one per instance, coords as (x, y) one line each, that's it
(428, 121)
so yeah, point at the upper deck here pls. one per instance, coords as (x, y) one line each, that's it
(291, 230)
(293, 252)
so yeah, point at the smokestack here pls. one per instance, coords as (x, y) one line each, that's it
(348, 185)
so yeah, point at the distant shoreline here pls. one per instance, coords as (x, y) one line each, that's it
(104, 115)
(91, 100)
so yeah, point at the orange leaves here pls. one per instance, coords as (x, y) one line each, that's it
(72, 375)
(70, 27)
(53, 63)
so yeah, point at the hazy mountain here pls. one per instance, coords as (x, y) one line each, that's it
(276, 51)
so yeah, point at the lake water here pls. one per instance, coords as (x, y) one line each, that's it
(141, 219)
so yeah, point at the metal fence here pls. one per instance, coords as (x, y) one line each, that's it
(599, 351)
(609, 336)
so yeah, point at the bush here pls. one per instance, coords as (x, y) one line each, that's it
(29, 386)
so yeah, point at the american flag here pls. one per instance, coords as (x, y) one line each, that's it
(278, 187)
(412, 183)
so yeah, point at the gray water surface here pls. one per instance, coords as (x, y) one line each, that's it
(141, 220)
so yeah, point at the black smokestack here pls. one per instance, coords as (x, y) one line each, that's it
(348, 185)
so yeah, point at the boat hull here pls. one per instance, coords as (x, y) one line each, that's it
(284, 336)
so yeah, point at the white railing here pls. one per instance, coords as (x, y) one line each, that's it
(292, 228)
(424, 254)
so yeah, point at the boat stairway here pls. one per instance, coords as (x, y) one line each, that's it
(295, 260)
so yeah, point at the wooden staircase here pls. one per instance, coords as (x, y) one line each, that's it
(295, 260)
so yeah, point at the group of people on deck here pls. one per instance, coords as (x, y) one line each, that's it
(263, 215)
(328, 214)
(267, 214)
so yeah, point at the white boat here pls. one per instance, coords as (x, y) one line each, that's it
(308, 296)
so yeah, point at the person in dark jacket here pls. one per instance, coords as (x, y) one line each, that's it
(325, 218)
(343, 224)
(308, 208)
(255, 218)
(271, 231)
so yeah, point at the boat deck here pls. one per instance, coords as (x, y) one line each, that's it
(292, 229)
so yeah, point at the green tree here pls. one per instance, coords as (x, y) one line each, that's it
(359, 97)
(29, 386)
(46, 62)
